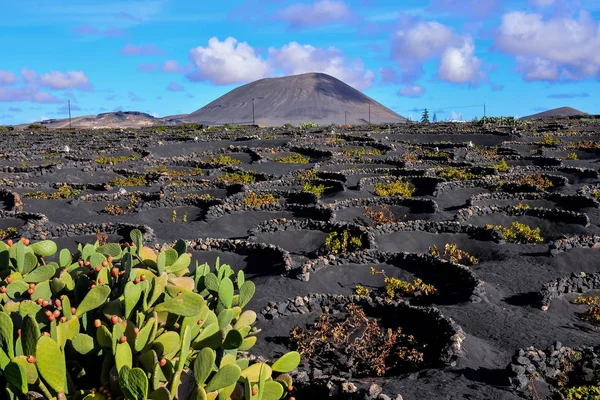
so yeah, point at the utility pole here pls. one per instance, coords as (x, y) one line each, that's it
(484, 110)
(253, 120)
(369, 113)
(345, 117)
(70, 126)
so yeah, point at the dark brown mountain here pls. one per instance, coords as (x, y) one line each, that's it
(562, 112)
(312, 97)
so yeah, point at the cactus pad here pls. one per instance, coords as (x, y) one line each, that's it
(93, 299)
(51, 364)
(133, 383)
(226, 376)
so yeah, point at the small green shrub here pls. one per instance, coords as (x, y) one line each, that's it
(549, 140)
(237, 177)
(456, 174)
(294, 158)
(257, 200)
(572, 156)
(317, 190)
(588, 392)
(307, 125)
(64, 192)
(454, 254)
(223, 160)
(9, 233)
(397, 188)
(138, 180)
(116, 160)
(502, 166)
(362, 151)
(341, 242)
(519, 233)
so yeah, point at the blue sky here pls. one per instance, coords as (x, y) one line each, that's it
(168, 57)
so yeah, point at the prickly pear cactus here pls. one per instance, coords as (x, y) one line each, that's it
(129, 322)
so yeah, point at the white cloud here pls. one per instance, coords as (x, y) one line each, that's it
(7, 78)
(294, 58)
(559, 48)
(29, 75)
(416, 41)
(172, 66)
(411, 91)
(70, 80)
(459, 64)
(321, 12)
(227, 62)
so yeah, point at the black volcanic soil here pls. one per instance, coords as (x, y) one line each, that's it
(496, 324)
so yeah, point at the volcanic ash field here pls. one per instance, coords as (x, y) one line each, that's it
(464, 254)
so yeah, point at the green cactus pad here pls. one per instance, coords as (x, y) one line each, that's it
(30, 369)
(67, 279)
(96, 260)
(252, 373)
(6, 335)
(43, 273)
(272, 391)
(42, 290)
(148, 360)
(158, 288)
(182, 263)
(167, 344)
(287, 362)
(94, 299)
(30, 261)
(199, 394)
(285, 380)
(180, 247)
(82, 343)
(226, 292)
(30, 333)
(162, 393)
(211, 282)
(67, 330)
(111, 249)
(203, 365)
(17, 289)
(44, 248)
(133, 383)
(28, 307)
(51, 364)
(184, 351)
(136, 238)
(104, 337)
(15, 375)
(186, 304)
(233, 340)
(142, 338)
(246, 292)
(171, 256)
(246, 319)
(241, 278)
(132, 294)
(225, 318)
(57, 285)
(123, 356)
(226, 376)
(64, 258)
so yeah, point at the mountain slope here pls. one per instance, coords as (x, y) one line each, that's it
(312, 97)
(561, 112)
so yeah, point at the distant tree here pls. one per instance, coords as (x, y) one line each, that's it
(425, 117)
(434, 117)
